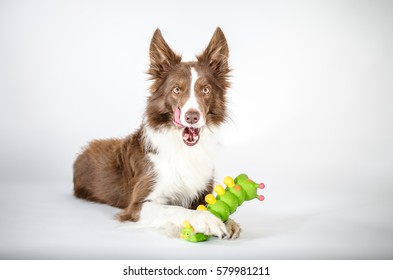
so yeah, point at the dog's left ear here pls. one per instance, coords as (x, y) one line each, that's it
(216, 54)
(161, 55)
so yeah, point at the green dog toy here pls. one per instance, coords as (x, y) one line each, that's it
(225, 203)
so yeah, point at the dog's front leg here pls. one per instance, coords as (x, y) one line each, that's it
(170, 218)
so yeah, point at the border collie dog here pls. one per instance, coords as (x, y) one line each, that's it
(159, 174)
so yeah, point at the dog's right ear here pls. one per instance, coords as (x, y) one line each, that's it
(162, 58)
(216, 55)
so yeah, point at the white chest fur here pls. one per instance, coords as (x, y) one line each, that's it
(182, 172)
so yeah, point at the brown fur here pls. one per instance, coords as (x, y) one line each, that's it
(115, 172)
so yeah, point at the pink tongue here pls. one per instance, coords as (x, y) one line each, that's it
(176, 121)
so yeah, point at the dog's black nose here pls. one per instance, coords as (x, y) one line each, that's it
(192, 117)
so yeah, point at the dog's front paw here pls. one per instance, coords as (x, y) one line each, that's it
(233, 229)
(208, 224)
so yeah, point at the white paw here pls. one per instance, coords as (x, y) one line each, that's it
(233, 229)
(208, 224)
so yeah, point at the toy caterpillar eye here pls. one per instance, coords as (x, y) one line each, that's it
(176, 90)
(206, 90)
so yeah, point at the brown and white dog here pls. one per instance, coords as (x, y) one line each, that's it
(159, 174)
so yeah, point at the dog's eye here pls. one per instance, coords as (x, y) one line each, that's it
(206, 90)
(176, 90)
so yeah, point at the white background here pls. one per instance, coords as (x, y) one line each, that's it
(312, 117)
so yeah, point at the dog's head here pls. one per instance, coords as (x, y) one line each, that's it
(188, 95)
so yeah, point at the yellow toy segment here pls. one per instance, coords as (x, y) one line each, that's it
(229, 182)
(210, 199)
(219, 190)
(201, 207)
(186, 224)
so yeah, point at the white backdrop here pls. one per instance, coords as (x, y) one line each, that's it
(312, 116)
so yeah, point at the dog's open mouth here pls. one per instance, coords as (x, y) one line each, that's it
(190, 135)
